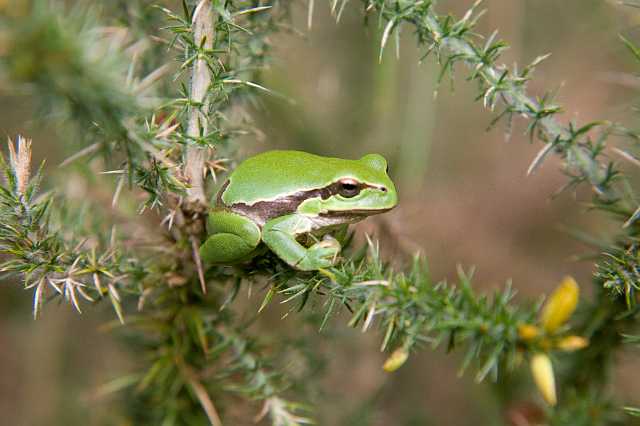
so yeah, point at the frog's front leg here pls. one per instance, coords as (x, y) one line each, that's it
(280, 234)
(232, 238)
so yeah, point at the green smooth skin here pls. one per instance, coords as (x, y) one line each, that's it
(232, 238)
(250, 208)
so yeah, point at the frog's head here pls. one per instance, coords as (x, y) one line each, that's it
(359, 188)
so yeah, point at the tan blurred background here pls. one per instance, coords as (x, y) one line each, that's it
(464, 199)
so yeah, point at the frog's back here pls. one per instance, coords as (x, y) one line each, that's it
(275, 174)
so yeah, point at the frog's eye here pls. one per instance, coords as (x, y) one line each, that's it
(348, 188)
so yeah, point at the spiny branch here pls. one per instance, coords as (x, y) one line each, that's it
(453, 41)
(45, 260)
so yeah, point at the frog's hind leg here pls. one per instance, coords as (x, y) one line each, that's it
(232, 238)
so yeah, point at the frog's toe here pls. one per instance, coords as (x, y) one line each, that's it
(329, 245)
(320, 255)
(328, 248)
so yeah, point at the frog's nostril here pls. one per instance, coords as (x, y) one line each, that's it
(383, 189)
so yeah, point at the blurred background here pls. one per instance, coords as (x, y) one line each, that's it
(465, 199)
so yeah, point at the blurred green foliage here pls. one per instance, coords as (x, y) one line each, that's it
(463, 200)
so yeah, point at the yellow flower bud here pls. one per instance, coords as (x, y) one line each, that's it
(528, 332)
(542, 372)
(395, 360)
(561, 304)
(572, 343)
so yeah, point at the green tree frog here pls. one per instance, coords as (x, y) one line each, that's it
(292, 202)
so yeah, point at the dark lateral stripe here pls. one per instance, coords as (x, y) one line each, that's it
(266, 210)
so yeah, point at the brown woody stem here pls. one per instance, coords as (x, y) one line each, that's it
(203, 34)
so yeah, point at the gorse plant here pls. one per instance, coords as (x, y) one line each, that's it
(158, 102)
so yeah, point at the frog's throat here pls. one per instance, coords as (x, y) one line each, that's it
(337, 217)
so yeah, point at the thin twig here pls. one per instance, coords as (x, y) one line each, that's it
(85, 151)
(201, 394)
(196, 257)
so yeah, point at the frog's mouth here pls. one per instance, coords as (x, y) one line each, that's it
(355, 213)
